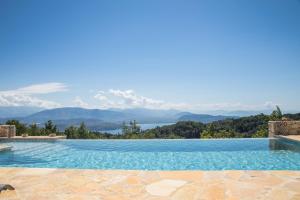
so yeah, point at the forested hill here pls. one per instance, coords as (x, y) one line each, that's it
(203, 117)
(245, 127)
(253, 126)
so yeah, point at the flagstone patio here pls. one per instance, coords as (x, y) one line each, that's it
(61, 184)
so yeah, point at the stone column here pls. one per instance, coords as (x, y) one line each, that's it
(284, 128)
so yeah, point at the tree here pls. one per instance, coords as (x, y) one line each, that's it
(276, 114)
(71, 132)
(206, 134)
(132, 128)
(135, 128)
(50, 127)
(262, 132)
(20, 128)
(83, 132)
(34, 130)
(209, 132)
(124, 128)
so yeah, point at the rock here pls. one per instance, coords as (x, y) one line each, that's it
(6, 187)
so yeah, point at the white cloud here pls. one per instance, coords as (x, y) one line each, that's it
(270, 104)
(113, 98)
(80, 103)
(101, 96)
(130, 99)
(126, 99)
(25, 96)
(43, 88)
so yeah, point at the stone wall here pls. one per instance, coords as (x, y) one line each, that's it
(284, 128)
(7, 131)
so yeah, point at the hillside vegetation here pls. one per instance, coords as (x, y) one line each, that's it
(244, 127)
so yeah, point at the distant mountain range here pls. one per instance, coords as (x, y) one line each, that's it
(203, 117)
(97, 119)
(17, 111)
(240, 113)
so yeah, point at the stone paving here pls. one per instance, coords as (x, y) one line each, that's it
(61, 184)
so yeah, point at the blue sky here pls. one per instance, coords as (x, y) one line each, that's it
(189, 55)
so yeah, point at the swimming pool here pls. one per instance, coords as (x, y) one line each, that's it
(227, 154)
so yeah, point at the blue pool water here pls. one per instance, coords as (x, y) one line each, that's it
(227, 154)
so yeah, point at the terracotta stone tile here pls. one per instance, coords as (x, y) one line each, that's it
(81, 197)
(278, 194)
(164, 187)
(182, 175)
(132, 180)
(213, 192)
(9, 195)
(286, 173)
(188, 192)
(150, 177)
(113, 179)
(134, 190)
(296, 196)
(294, 186)
(236, 189)
(117, 197)
(157, 198)
(233, 197)
(260, 174)
(235, 175)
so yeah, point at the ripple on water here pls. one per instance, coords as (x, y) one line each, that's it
(230, 154)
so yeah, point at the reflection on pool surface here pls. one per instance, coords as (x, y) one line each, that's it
(230, 154)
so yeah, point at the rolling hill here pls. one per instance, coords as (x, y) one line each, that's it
(203, 117)
(99, 119)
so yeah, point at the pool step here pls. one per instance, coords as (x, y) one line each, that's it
(5, 148)
(39, 150)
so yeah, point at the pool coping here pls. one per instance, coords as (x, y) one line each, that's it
(33, 138)
(154, 139)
